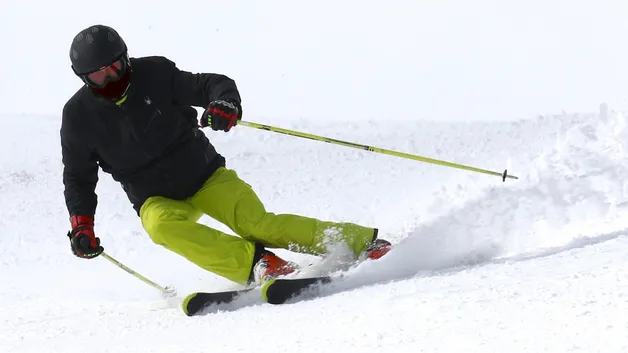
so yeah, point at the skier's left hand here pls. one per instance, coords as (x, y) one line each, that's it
(220, 115)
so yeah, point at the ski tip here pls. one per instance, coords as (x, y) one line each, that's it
(264, 289)
(185, 305)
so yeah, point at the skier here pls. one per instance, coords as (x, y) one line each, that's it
(134, 119)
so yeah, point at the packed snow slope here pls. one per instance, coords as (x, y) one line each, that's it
(535, 264)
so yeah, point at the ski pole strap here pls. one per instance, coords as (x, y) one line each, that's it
(504, 175)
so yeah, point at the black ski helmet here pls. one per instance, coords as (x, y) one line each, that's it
(95, 47)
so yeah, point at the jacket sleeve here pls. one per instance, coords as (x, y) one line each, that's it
(199, 89)
(80, 170)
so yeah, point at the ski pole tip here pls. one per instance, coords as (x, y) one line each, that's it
(505, 175)
(169, 292)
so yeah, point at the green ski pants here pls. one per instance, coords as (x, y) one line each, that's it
(229, 200)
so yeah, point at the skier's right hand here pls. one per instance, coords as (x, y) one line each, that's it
(83, 241)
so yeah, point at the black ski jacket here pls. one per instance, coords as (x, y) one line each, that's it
(150, 143)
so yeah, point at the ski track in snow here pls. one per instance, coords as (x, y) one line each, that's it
(535, 264)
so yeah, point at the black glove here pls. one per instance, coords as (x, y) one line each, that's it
(221, 115)
(82, 238)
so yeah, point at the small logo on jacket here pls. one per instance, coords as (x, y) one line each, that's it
(147, 100)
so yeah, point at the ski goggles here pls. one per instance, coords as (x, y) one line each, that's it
(103, 76)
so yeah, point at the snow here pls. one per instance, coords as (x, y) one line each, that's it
(536, 264)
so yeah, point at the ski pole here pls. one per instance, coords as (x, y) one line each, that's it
(503, 175)
(166, 291)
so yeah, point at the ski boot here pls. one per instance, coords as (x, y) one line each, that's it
(271, 266)
(378, 248)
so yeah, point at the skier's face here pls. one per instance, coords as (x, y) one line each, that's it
(112, 72)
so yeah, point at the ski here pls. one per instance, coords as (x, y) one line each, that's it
(275, 291)
(278, 291)
(195, 303)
